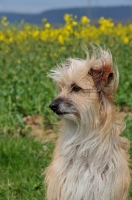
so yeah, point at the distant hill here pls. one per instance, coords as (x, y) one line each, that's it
(118, 13)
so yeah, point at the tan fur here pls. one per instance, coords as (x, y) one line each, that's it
(91, 160)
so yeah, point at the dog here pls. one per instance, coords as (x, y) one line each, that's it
(91, 160)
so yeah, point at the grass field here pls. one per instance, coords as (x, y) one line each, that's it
(27, 53)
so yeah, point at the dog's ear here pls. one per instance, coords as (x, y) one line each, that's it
(102, 76)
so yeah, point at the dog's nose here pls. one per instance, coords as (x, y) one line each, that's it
(54, 106)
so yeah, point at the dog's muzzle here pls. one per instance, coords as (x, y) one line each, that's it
(60, 106)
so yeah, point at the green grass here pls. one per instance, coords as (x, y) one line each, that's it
(22, 162)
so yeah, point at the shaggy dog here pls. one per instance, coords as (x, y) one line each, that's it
(90, 160)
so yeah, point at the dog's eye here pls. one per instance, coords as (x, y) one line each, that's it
(90, 72)
(75, 88)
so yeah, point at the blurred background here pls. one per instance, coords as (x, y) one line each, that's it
(33, 11)
(35, 36)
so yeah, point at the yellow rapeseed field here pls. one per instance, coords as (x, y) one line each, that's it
(72, 28)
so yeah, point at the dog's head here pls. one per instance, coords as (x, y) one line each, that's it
(84, 85)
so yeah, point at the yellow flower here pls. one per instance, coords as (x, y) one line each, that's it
(125, 40)
(85, 20)
(10, 39)
(74, 23)
(68, 28)
(35, 33)
(61, 39)
(67, 17)
(1, 36)
(105, 23)
(47, 25)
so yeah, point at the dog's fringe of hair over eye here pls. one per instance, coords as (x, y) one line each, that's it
(97, 60)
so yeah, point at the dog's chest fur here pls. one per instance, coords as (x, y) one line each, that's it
(80, 172)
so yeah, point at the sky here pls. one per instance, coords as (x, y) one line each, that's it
(36, 6)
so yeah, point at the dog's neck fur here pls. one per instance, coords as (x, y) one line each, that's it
(88, 140)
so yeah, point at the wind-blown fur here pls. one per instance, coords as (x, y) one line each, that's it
(90, 160)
